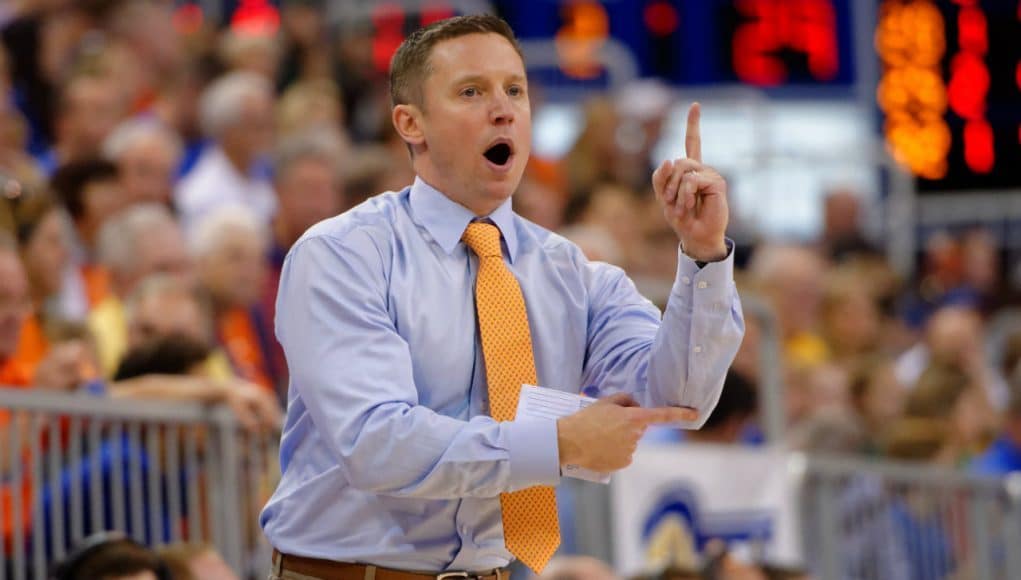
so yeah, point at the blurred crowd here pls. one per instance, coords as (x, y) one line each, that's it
(155, 167)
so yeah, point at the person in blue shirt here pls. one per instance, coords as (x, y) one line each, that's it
(392, 465)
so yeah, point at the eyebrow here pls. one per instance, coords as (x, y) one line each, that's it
(475, 78)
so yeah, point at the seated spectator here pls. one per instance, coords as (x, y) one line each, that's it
(89, 106)
(110, 556)
(876, 396)
(230, 248)
(736, 408)
(236, 113)
(147, 155)
(91, 193)
(849, 318)
(947, 394)
(142, 241)
(195, 562)
(39, 224)
(790, 278)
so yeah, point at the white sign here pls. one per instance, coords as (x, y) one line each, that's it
(673, 499)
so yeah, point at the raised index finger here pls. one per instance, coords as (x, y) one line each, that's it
(693, 135)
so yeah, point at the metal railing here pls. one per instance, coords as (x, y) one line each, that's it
(855, 519)
(162, 473)
(869, 520)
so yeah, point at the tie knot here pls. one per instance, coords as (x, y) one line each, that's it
(483, 239)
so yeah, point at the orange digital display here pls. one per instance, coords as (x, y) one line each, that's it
(949, 101)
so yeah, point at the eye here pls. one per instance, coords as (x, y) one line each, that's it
(470, 92)
(515, 90)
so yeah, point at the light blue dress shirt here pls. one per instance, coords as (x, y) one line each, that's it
(388, 454)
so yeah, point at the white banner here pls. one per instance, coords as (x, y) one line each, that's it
(675, 498)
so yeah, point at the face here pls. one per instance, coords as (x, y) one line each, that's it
(308, 193)
(93, 111)
(101, 200)
(161, 315)
(14, 302)
(235, 272)
(147, 171)
(253, 134)
(472, 134)
(46, 255)
(162, 251)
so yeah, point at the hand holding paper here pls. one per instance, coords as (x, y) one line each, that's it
(599, 436)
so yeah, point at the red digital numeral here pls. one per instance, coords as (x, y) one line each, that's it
(806, 26)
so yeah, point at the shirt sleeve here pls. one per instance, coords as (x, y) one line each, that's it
(353, 373)
(680, 359)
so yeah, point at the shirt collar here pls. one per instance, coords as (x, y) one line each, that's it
(445, 219)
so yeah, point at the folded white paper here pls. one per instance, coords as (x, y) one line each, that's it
(541, 403)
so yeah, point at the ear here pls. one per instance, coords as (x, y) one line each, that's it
(407, 120)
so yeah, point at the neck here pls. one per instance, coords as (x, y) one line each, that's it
(429, 174)
(238, 159)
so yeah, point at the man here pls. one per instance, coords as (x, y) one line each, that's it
(399, 453)
(146, 154)
(89, 108)
(236, 113)
(141, 241)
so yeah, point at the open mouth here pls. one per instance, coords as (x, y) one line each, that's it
(499, 154)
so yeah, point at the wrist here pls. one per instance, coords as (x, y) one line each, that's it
(705, 253)
(566, 448)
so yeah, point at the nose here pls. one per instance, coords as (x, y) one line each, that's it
(501, 111)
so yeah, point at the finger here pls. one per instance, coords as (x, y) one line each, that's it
(659, 177)
(693, 134)
(673, 185)
(688, 189)
(620, 399)
(652, 416)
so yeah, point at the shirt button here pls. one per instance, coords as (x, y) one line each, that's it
(686, 280)
(703, 285)
(698, 349)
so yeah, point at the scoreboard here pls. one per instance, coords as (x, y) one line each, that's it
(949, 84)
(950, 90)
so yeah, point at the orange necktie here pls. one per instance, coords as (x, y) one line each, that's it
(531, 529)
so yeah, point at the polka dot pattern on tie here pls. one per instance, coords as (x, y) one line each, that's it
(530, 524)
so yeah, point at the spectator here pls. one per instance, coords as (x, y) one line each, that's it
(87, 111)
(791, 278)
(849, 318)
(737, 406)
(195, 562)
(841, 234)
(162, 306)
(230, 248)
(877, 397)
(142, 241)
(147, 155)
(236, 113)
(307, 105)
(954, 336)
(92, 193)
(111, 556)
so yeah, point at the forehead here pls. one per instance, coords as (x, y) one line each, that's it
(483, 54)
